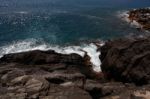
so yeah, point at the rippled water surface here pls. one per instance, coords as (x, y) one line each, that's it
(64, 21)
(63, 25)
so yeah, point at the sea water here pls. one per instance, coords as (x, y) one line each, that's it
(63, 25)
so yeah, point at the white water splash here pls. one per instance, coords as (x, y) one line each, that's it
(31, 44)
(125, 17)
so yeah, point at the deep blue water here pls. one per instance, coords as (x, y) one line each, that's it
(61, 22)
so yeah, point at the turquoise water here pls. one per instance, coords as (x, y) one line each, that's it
(61, 22)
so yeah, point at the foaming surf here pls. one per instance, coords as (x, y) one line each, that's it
(124, 15)
(33, 44)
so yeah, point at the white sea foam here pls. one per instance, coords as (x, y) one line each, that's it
(31, 44)
(136, 24)
(21, 46)
(125, 17)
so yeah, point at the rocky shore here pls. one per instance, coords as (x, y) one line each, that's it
(141, 16)
(50, 75)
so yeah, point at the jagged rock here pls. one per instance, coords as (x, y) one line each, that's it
(142, 94)
(36, 86)
(98, 90)
(7, 77)
(127, 60)
(94, 88)
(116, 90)
(35, 72)
(13, 96)
(50, 61)
(76, 79)
(59, 92)
(38, 57)
(142, 16)
(49, 75)
(20, 80)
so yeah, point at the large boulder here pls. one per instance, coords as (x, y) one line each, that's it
(37, 86)
(50, 61)
(127, 60)
(45, 75)
(38, 57)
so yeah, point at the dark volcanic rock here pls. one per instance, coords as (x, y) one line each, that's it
(45, 75)
(41, 57)
(50, 75)
(60, 92)
(50, 60)
(127, 60)
(116, 90)
(142, 16)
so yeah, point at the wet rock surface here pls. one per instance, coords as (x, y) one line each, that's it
(142, 16)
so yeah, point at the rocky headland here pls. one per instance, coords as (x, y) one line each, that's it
(141, 16)
(50, 75)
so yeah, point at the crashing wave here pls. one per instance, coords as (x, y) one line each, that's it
(125, 17)
(32, 44)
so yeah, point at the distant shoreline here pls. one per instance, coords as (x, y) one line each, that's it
(141, 16)
(138, 18)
